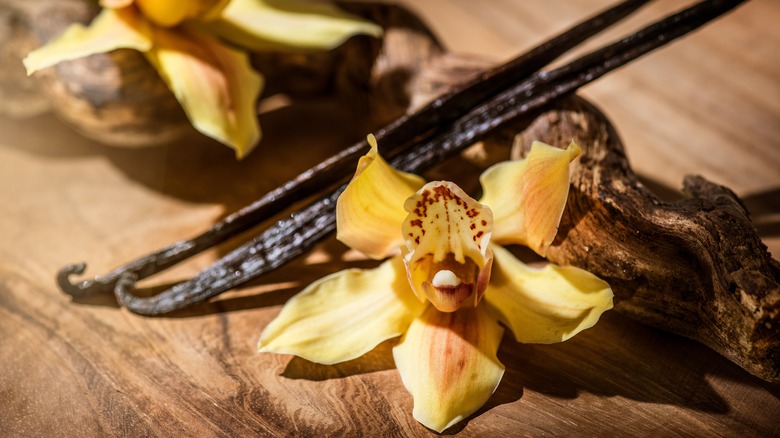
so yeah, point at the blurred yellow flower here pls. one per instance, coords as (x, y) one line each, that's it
(184, 41)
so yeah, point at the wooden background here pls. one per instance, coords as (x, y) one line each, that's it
(708, 104)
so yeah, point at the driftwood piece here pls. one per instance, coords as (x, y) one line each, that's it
(694, 267)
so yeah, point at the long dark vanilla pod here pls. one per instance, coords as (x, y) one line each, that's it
(545, 87)
(395, 138)
(291, 237)
(277, 245)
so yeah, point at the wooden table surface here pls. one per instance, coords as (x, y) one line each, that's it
(708, 104)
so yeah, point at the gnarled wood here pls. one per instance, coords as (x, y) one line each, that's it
(694, 267)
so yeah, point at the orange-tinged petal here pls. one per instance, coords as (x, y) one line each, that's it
(446, 234)
(370, 211)
(545, 305)
(288, 24)
(169, 13)
(111, 29)
(528, 196)
(215, 85)
(345, 315)
(448, 363)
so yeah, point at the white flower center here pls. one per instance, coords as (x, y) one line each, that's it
(445, 278)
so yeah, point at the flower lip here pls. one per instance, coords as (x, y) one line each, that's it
(450, 298)
(446, 253)
(450, 285)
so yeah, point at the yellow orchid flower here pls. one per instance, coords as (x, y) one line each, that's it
(451, 286)
(213, 81)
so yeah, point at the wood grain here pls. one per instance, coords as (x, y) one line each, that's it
(707, 105)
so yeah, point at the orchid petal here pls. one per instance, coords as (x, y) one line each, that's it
(369, 213)
(215, 85)
(111, 29)
(169, 13)
(286, 24)
(447, 232)
(448, 363)
(344, 315)
(528, 196)
(545, 305)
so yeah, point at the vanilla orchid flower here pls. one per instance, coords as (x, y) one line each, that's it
(185, 42)
(452, 287)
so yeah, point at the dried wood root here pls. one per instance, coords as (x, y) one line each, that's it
(695, 267)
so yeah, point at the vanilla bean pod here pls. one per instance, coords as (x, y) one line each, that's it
(298, 233)
(397, 136)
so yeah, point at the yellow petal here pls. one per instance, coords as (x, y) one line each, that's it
(528, 196)
(370, 211)
(344, 315)
(285, 24)
(111, 29)
(169, 13)
(545, 305)
(447, 232)
(215, 85)
(448, 363)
